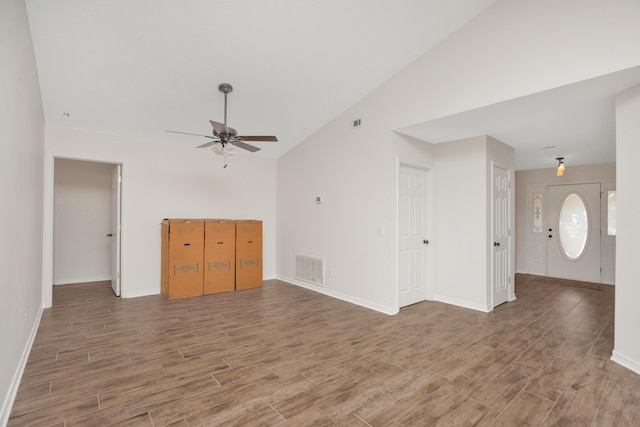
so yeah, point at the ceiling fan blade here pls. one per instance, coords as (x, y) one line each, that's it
(207, 144)
(194, 134)
(265, 138)
(219, 128)
(244, 146)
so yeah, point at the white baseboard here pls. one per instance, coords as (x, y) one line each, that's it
(5, 412)
(81, 280)
(625, 361)
(139, 293)
(463, 303)
(340, 296)
(156, 290)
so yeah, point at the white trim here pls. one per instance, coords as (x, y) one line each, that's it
(141, 293)
(357, 301)
(5, 412)
(626, 362)
(81, 280)
(463, 303)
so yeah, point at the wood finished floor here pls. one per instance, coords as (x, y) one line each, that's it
(283, 355)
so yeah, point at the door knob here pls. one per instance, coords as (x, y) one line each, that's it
(496, 243)
(109, 235)
(550, 236)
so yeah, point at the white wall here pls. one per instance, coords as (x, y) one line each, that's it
(530, 181)
(461, 223)
(21, 192)
(168, 181)
(81, 221)
(512, 49)
(626, 343)
(355, 171)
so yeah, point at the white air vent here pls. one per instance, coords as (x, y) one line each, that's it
(310, 269)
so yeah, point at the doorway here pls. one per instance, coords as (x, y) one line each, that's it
(413, 237)
(91, 247)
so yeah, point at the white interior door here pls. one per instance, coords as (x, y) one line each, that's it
(500, 233)
(574, 232)
(412, 235)
(116, 225)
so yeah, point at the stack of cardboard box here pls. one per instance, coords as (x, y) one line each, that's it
(207, 256)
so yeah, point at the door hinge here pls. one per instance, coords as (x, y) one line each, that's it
(119, 178)
(118, 276)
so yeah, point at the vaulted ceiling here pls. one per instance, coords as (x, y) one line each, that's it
(140, 67)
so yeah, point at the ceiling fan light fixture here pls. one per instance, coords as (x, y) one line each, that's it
(560, 171)
(219, 150)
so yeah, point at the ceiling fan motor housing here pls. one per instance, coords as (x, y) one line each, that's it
(225, 88)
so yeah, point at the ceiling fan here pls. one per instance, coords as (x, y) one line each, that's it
(224, 135)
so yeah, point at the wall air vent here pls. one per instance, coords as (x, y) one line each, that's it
(356, 123)
(310, 269)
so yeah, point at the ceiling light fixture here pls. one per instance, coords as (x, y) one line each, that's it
(560, 166)
(223, 150)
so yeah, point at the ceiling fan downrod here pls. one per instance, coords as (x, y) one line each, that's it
(225, 88)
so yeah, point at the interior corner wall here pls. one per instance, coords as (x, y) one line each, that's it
(170, 181)
(460, 240)
(627, 316)
(81, 221)
(21, 191)
(540, 179)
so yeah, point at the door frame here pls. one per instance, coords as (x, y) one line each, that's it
(509, 264)
(429, 275)
(47, 247)
(511, 295)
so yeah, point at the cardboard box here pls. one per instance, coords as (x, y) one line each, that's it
(219, 256)
(248, 254)
(182, 258)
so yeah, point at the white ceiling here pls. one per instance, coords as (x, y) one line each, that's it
(140, 67)
(137, 68)
(576, 122)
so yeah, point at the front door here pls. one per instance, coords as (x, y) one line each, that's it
(573, 248)
(500, 233)
(412, 235)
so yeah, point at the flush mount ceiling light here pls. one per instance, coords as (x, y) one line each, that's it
(560, 166)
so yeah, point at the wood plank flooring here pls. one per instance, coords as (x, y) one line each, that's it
(282, 355)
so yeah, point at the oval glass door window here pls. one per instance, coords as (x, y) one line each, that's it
(573, 227)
